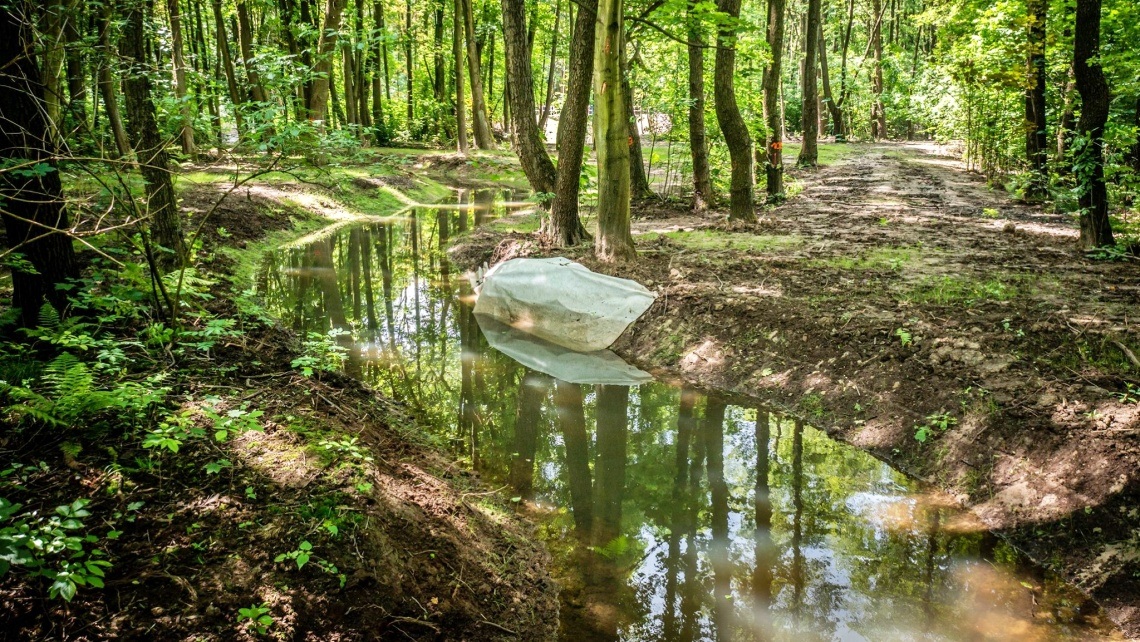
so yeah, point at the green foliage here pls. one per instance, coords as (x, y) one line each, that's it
(258, 617)
(321, 353)
(935, 424)
(345, 448)
(904, 336)
(52, 547)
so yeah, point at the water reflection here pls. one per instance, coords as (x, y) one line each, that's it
(672, 515)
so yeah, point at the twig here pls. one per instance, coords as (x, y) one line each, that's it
(500, 627)
(1127, 353)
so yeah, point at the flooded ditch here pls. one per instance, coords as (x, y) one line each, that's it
(671, 513)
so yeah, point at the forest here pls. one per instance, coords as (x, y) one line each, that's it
(887, 386)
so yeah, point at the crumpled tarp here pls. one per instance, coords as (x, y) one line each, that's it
(562, 302)
(599, 367)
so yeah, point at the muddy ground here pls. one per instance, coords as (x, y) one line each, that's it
(905, 307)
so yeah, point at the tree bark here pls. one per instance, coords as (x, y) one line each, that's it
(568, 400)
(54, 56)
(613, 427)
(565, 228)
(809, 153)
(245, 42)
(458, 29)
(735, 131)
(33, 213)
(828, 99)
(408, 39)
(546, 104)
(698, 138)
(484, 138)
(1036, 142)
(186, 131)
(227, 63)
(162, 208)
(1067, 121)
(611, 137)
(878, 115)
(638, 180)
(531, 150)
(1096, 230)
(107, 88)
(772, 112)
(76, 51)
(323, 67)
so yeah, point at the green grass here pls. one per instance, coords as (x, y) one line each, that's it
(955, 290)
(880, 258)
(525, 223)
(715, 240)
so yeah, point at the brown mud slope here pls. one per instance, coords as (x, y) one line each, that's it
(403, 545)
(898, 299)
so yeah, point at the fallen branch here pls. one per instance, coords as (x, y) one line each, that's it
(1127, 353)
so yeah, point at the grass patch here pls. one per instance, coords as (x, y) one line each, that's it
(955, 290)
(525, 223)
(715, 240)
(882, 258)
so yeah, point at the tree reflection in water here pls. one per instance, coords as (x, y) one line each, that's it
(671, 515)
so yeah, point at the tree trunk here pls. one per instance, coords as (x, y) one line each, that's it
(439, 77)
(736, 134)
(380, 63)
(33, 201)
(698, 139)
(348, 72)
(363, 82)
(323, 67)
(107, 88)
(638, 180)
(828, 99)
(1136, 146)
(187, 130)
(611, 137)
(408, 38)
(481, 122)
(245, 41)
(458, 29)
(227, 63)
(76, 51)
(51, 35)
(546, 104)
(565, 227)
(1067, 122)
(809, 153)
(531, 150)
(1036, 145)
(772, 111)
(568, 399)
(878, 115)
(1096, 230)
(613, 427)
(162, 208)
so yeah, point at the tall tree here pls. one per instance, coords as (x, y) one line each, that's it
(227, 62)
(107, 86)
(481, 122)
(736, 135)
(31, 200)
(638, 179)
(457, 30)
(150, 147)
(245, 46)
(611, 137)
(322, 70)
(1096, 230)
(878, 114)
(809, 153)
(529, 146)
(565, 227)
(772, 113)
(698, 138)
(186, 129)
(1036, 141)
(549, 101)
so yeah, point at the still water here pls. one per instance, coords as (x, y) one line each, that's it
(671, 514)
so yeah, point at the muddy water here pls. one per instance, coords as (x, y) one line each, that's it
(671, 514)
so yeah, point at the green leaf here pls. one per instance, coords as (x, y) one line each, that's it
(302, 559)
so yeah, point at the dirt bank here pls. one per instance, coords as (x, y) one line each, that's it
(906, 308)
(335, 516)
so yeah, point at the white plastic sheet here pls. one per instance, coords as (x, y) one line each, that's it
(562, 302)
(599, 367)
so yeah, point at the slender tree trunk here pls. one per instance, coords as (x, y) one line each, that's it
(878, 115)
(703, 196)
(76, 51)
(735, 131)
(611, 137)
(1096, 230)
(363, 81)
(1135, 160)
(481, 122)
(245, 42)
(828, 99)
(1067, 121)
(1036, 145)
(107, 88)
(568, 399)
(458, 28)
(772, 112)
(162, 208)
(348, 72)
(531, 150)
(809, 153)
(565, 227)
(379, 63)
(227, 63)
(54, 56)
(33, 213)
(323, 67)
(187, 130)
(638, 180)
(610, 457)
(546, 104)
(440, 75)
(408, 39)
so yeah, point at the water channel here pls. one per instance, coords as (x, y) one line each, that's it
(670, 514)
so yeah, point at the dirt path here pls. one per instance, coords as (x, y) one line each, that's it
(906, 308)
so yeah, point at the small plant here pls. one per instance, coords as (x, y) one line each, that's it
(990, 212)
(300, 555)
(321, 353)
(1006, 324)
(236, 420)
(937, 423)
(1130, 394)
(345, 448)
(51, 547)
(904, 336)
(258, 617)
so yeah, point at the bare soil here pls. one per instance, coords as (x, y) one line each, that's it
(897, 298)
